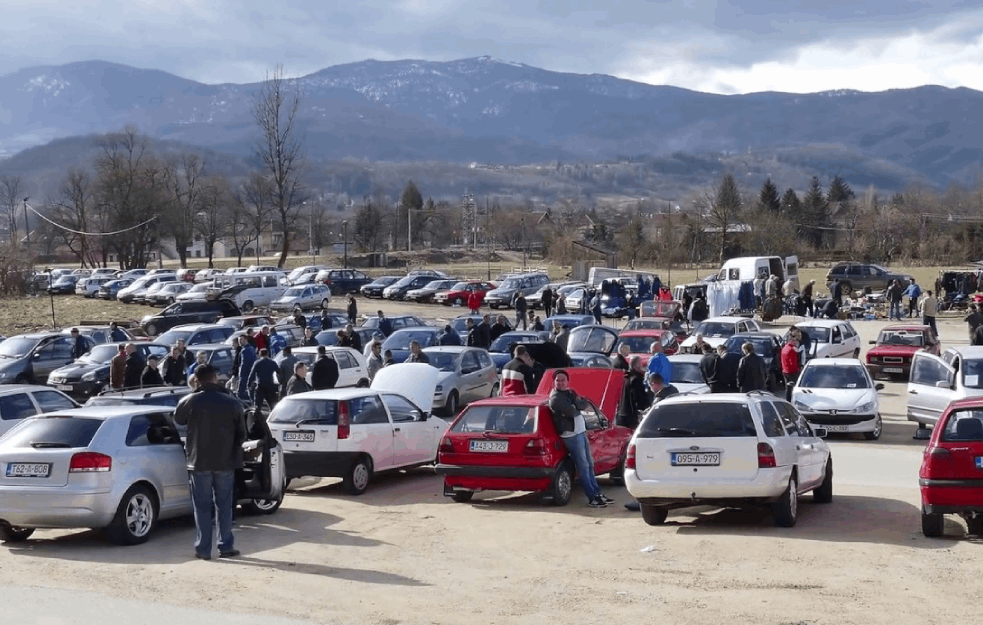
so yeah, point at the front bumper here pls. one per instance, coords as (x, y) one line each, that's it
(842, 422)
(77, 389)
(902, 369)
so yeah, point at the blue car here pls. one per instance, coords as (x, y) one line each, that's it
(501, 348)
(399, 341)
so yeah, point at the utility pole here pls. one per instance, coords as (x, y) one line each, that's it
(344, 231)
(409, 229)
(669, 230)
(27, 228)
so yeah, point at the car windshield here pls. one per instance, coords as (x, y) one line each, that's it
(972, 372)
(762, 346)
(297, 410)
(660, 309)
(498, 419)
(901, 337)
(436, 285)
(686, 373)
(53, 433)
(171, 337)
(645, 324)
(444, 361)
(293, 292)
(715, 328)
(460, 286)
(697, 420)
(848, 376)
(591, 340)
(637, 344)
(16, 347)
(100, 354)
(507, 340)
(509, 284)
(401, 340)
(404, 281)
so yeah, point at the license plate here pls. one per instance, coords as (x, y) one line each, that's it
(63, 387)
(835, 428)
(979, 462)
(493, 446)
(28, 469)
(690, 459)
(300, 436)
(893, 370)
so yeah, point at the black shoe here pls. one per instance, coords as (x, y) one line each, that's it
(202, 556)
(597, 502)
(607, 500)
(231, 553)
(633, 506)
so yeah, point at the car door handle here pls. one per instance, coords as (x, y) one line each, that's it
(797, 447)
(396, 430)
(912, 392)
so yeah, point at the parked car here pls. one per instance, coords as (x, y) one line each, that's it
(460, 292)
(426, 293)
(767, 345)
(219, 355)
(343, 281)
(467, 374)
(89, 287)
(207, 275)
(640, 342)
(308, 297)
(398, 322)
(839, 395)
(510, 443)
(354, 433)
(297, 275)
(587, 342)
(716, 330)
(686, 375)
(535, 300)
(148, 396)
(104, 272)
(569, 321)
(727, 450)
(352, 370)
(896, 345)
(186, 275)
(30, 358)
(110, 289)
(949, 478)
(854, 276)
(139, 287)
(20, 401)
(101, 334)
(398, 289)
(132, 274)
(65, 285)
(399, 341)
(89, 375)
(502, 348)
(329, 338)
(167, 293)
(527, 284)
(118, 468)
(831, 338)
(241, 322)
(183, 313)
(460, 325)
(936, 381)
(195, 334)
(377, 286)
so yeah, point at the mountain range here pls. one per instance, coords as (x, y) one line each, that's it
(496, 112)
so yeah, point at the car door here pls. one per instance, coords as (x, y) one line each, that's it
(836, 346)
(470, 383)
(154, 451)
(222, 359)
(605, 447)
(929, 388)
(489, 374)
(798, 448)
(371, 431)
(50, 356)
(414, 435)
(346, 368)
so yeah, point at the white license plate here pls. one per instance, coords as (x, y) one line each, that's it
(300, 436)
(63, 387)
(28, 469)
(893, 370)
(834, 428)
(695, 459)
(493, 446)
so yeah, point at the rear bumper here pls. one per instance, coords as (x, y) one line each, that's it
(479, 478)
(503, 472)
(57, 507)
(951, 496)
(768, 485)
(317, 464)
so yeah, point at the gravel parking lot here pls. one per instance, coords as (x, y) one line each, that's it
(403, 553)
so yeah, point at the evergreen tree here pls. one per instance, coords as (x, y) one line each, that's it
(791, 205)
(839, 190)
(815, 215)
(768, 199)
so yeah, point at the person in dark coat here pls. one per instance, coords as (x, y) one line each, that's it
(309, 339)
(117, 368)
(752, 375)
(499, 328)
(150, 375)
(448, 337)
(635, 398)
(78, 344)
(263, 378)
(521, 306)
(710, 370)
(699, 311)
(473, 336)
(416, 354)
(385, 326)
(352, 309)
(621, 358)
(285, 361)
(324, 373)
(548, 297)
(484, 332)
(727, 369)
(300, 319)
(298, 382)
(134, 367)
(660, 387)
(115, 334)
(247, 358)
(353, 336)
(174, 368)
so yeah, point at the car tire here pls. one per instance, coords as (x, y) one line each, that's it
(878, 428)
(324, 304)
(463, 496)
(11, 534)
(856, 353)
(654, 515)
(458, 301)
(824, 494)
(496, 389)
(617, 474)
(974, 526)
(356, 481)
(453, 404)
(786, 509)
(151, 329)
(135, 517)
(933, 524)
(363, 383)
(171, 300)
(561, 488)
(264, 506)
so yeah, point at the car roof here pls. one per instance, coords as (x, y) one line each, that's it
(194, 327)
(337, 394)
(968, 351)
(8, 389)
(756, 335)
(449, 349)
(106, 412)
(718, 397)
(724, 319)
(148, 391)
(647, 332)
(205, 347)
(36, 335)
(909, 327)
(513, 400)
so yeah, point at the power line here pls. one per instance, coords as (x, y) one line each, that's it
(90, 234)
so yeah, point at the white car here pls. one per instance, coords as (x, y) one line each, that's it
(831, 338)
(935, 381)
(307, 297)
(352, 370)
(686, 375)
(838, 394)
(727, 450)
(716, 331)
(353, 433)
(197, 293)
(88, 287)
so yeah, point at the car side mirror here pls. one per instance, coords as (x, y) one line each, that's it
(36, 355)
(879, 386)
(422, 416)
(872, 342)
(820, 432)
(922, 434)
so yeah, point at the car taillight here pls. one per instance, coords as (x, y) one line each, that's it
(344, 421)
(937, 462)
(766, 456)
(630, 457)
(446, 446)
(90, 462)
(535, 447)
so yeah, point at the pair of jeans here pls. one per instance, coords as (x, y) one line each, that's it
(930, 322)
(895, 311)
(211, 493)
(579, 449)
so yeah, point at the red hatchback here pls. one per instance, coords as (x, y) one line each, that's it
(896, 346)
(509, 443)
(951, 476)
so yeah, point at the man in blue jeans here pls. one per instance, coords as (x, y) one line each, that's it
(566, 405)
(216, 430)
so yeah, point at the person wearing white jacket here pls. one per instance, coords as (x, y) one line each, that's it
(929, 309)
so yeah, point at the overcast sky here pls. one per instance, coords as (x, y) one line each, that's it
(724, 46)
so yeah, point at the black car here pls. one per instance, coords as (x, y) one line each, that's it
(64, 285)
(399, 289)
(377, 286)
(769, 347)
(29, 358)
(342, 281)
(501, 348)
(89, 375)
(182, 313)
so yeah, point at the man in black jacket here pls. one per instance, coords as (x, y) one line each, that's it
(134, 367)
(710, 370)
(727, 369)
(752, 375)
(500, 327)
(78, 345)
(298, 383)
(150, 375)
(263, 379)
(483, 333)
(548, 301)
(286, 362)
(173, 368)
(325, 373)
(216, 431)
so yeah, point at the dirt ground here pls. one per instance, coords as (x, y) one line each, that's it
(403, 553)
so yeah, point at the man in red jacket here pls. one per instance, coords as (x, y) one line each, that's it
(518, 375)
(790, 365)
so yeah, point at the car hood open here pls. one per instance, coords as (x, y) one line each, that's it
(413, 380)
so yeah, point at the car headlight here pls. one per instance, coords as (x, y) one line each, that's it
(89, 377)
(865, 407)
(800, 406)
(438, 390)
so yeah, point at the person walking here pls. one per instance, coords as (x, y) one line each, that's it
(929, 310)
(548, 297)
(913, 292)
(216, 430)
(263, 380)
(894, 294)
(560, 304)
(791, 365)
(298, 381)
(560, 335)
(174, 371)
(565, 405)
(352, 310)
(374, 361)
(324, 373)
(474, 302)
(247, 358)
(117, 368)
(807, 296)
(134, 367)
(518, 375)
(752, 375)
(975, 320)
(285, 368)
(150, 375)
(595, 307)
(521, 306)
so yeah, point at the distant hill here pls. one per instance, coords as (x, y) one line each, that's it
(494, 112)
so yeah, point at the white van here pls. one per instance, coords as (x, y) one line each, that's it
(248, 290)
(747, 268)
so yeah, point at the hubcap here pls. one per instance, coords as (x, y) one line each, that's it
(564, 485)
(264, 504)
(139, 515)
(360, 477)
(877, 426)
(793, 499)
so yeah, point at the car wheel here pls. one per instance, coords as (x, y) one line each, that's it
(458, 301)
(617, 474)
(363, 383)
(496, 389)
(324, 304)
(11, 534)
(263, 506)
(171, 300)
(654, 515)
(135, 518)
(452, 404)
(151, 329)
(247, 306)
(824, 494)
(786, 509)
(562, 487)
(933, 524)
(878, 428)
(856, 353)
(463, 496)
(356, 481)
(975, 525)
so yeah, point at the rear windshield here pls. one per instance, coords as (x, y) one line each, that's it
(715, 328)
(637, 344)
(901, 337)
(964, 425)
(500, 419)
(762, 346)
(686, 373)
(697, 420)
(53, 432)
(445, 361)
(313, 411)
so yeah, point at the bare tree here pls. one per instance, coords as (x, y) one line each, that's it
(74, 209)
(10, 199)
(251, 209)
(185, 188)
(213, 214)
(281, 151)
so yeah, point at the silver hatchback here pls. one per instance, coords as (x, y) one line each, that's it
(119, 468)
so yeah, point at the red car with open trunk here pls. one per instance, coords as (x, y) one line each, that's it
(951, 475)
(510, 444)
